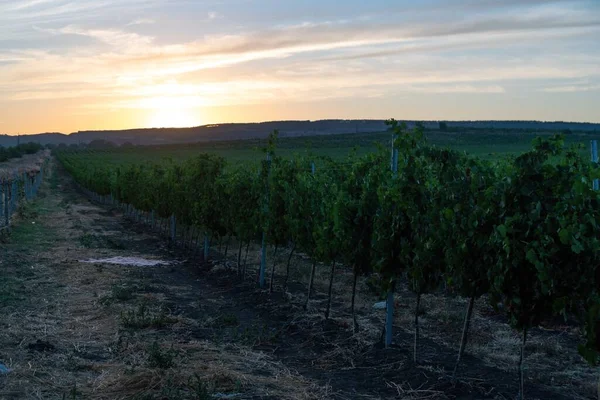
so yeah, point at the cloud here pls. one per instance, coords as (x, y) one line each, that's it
(571, 88)
(327, 36)
(121, 40)
(492, 49)
(142, 21)
(133, 68)
(459, 89)
(23, 5)
(55, 8)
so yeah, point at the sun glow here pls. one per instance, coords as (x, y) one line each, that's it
(170, 112)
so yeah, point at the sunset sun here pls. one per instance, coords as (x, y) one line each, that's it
(170, 112)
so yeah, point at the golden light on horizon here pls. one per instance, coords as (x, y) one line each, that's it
(69, 66)
(170, 112)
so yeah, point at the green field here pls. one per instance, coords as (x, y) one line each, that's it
(486, 144)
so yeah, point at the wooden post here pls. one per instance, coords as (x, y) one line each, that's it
(14, 193)
(263, 250)
(25, 189)
(594, 143)
(2, 200)
(206, 247)
(389, 304)
(263, 260)
(7, 203)
(173, 228)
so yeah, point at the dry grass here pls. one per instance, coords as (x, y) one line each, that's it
(92, 356)
(551, 358)
(230, 369)
(406, 391)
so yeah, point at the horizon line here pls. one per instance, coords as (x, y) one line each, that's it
(302, 120)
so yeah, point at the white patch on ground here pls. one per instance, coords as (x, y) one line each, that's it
(380, 306)
(130, 261)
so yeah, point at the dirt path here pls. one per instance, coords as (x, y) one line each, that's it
(96, 331)
(79, 330)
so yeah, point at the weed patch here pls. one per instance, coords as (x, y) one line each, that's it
(194, 389)
(9, 291)
(28, 210)
(90, 240)
(121, 293)
(257, 334)
(144, 317)
(125, 292)
(159, 358)
(229, 319)
(29, 234)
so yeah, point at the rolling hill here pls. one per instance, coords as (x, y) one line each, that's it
(240, 131)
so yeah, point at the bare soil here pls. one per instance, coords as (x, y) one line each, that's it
(193, 330)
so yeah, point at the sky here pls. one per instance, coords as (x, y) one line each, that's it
(69, 65)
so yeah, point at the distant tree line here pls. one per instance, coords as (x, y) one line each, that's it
(7, 153)
(94, 144)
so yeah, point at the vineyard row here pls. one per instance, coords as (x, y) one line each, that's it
(17, 186)
(522, 231)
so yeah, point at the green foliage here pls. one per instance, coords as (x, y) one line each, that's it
(6, 153)
(356, 207)
(523, 230)
(101, 144)
(547, 240)
(274, 178)
(229, 319)
(405, 224)
(159, 358)
(119, 293)
(198, 389)
(469, 215)
(144, 317)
